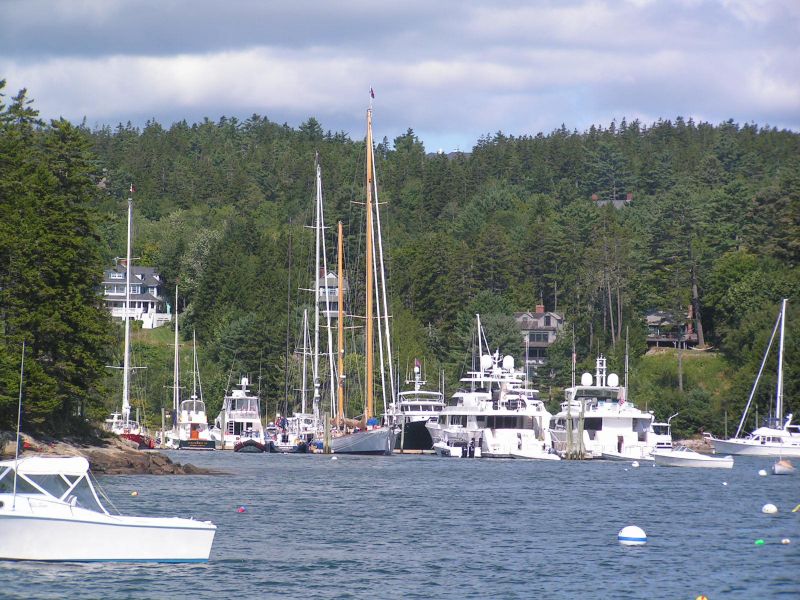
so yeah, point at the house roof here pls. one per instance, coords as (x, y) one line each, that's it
(147, 276)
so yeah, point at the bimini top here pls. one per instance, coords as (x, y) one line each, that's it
(49, 465)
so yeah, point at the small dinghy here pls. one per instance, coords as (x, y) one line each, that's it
(681, 456)
(783, 467)
(250, 446)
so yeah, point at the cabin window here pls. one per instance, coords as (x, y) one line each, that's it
(593, 423)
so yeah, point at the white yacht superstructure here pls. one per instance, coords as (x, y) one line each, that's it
(240, 418)
(597, 421)
(412, 410)
(493, 415)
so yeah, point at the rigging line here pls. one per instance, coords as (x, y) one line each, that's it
(288, 315)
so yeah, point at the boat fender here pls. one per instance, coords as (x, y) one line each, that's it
(769, 509)
(632, 536)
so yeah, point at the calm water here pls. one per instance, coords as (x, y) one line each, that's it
(424, 527)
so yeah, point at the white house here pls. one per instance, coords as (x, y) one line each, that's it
(147, 303)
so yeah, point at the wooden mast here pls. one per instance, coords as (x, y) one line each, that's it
(340, 324)
(368, 276)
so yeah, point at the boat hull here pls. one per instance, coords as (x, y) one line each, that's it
(196, 445)
(80, 535)
(415, 436)
(144, 442)
(250, 447)
(372, 441)
(744, 447)
(669, 458)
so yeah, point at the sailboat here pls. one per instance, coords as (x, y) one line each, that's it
(121, 423)
(370, 437)
(779, 438)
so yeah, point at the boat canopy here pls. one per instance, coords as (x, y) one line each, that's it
(49, 465)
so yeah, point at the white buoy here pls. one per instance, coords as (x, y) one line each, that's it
(334, 458)
(632, 536)
(786, 541)
(724, 483)
(634, 464)
(762, 473)
(769, 509)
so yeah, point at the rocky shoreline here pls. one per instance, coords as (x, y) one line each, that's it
(107, 456)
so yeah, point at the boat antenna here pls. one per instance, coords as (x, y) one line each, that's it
(574, 357)
(19, 419)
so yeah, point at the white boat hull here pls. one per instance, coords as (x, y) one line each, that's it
(744, 447)
(370, 441)
(672, 458)
(46, 531)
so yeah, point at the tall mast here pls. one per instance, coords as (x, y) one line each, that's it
(318, 231)
(176, 375)
(368, 275)
(126, 364)
(340, 322)
(194, 368)
(305, 361)
(779, 389)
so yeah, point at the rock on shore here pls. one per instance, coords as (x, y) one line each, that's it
(106, 456)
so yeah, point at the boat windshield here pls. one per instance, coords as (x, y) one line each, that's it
(73, 489)
(245, 404)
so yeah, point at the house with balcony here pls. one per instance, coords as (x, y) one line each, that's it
(668, 329)
(147, 299)
(329, 294)
(539, 330)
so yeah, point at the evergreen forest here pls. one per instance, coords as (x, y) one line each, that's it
(600, 225)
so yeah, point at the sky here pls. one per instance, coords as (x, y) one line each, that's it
(452, 70)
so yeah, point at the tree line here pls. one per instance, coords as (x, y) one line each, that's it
(708, 216)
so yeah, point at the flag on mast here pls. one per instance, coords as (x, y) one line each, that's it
(371, 93)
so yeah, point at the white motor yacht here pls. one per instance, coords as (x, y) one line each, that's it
(412, 411)
(597, 421)
(239, 419)
(494, 415)
(50, 511)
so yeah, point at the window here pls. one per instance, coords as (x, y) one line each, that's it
(547, 321)
(115, 275)
(136, 289)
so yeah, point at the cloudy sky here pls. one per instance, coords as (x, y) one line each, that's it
(452, 70)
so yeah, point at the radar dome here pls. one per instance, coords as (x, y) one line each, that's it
(486, 361)
(508, 363)
(586, 379)
(613, 380)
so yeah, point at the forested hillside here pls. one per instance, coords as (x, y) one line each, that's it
(223, 207)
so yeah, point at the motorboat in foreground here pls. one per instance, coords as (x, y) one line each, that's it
(50, 511)
(681, 456)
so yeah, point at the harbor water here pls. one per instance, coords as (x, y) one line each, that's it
(428, 527)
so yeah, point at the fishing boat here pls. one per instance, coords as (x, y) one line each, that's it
(494, 414)
(370, 436)
(292, 435)
(778, 437)
(50, 511)
(239, 420)
(412, 411)
(681, 456)
(190, 430)
(120, 423)
(597, 421)
(193, 430)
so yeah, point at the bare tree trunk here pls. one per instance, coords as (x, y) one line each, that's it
(701, 342)
(611, 312)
